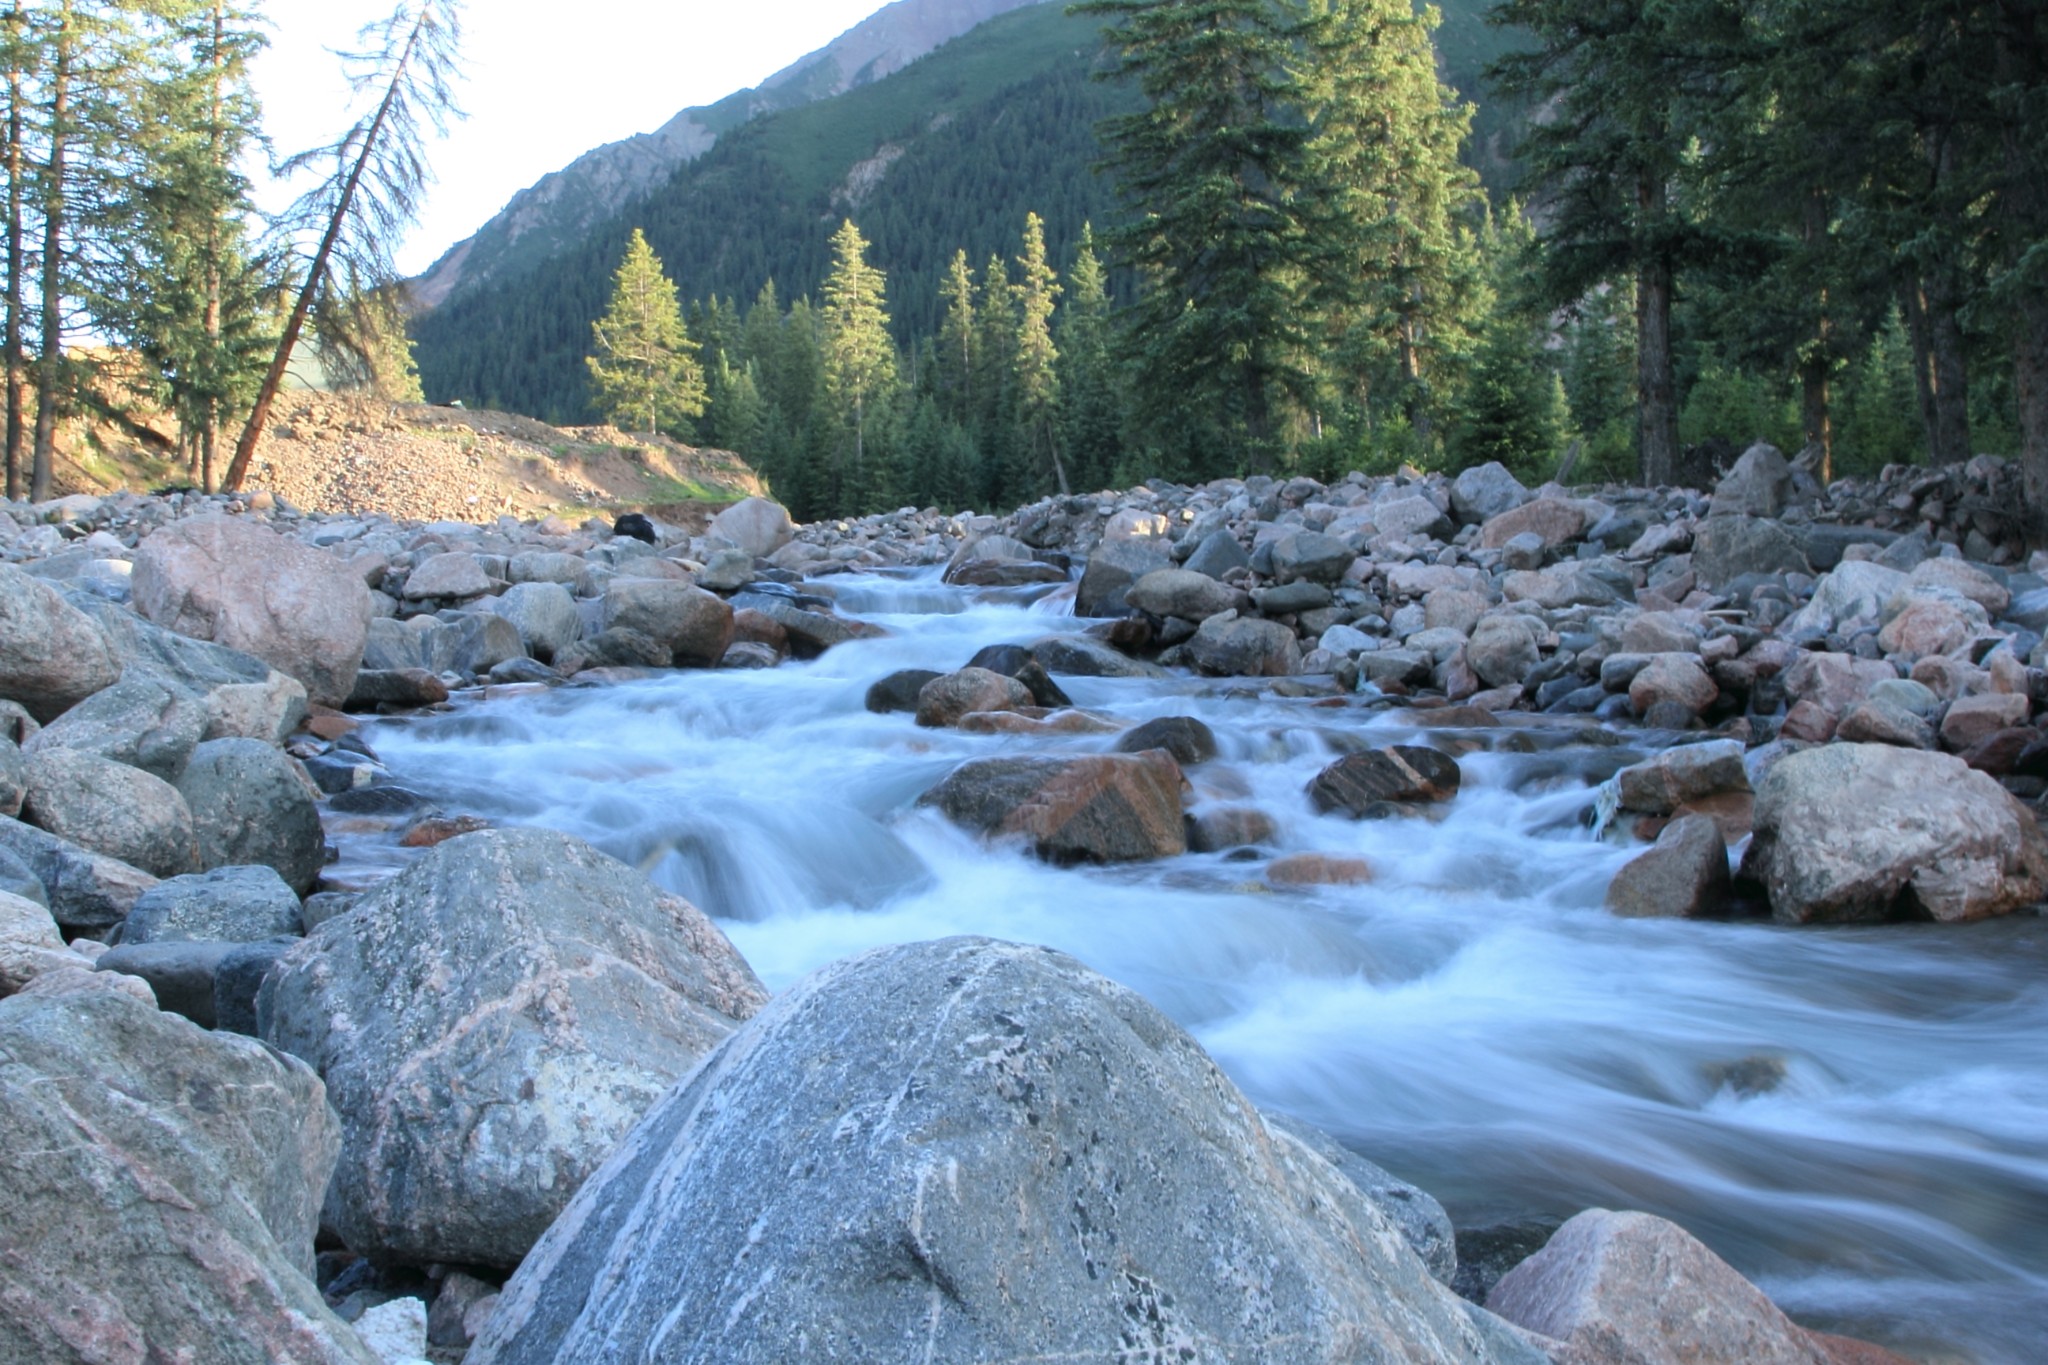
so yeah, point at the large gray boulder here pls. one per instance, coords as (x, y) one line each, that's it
(1245, 647)
(545, 616)
(1727, 547)
(967, 1150)
(226, 905)
(694, 625)
(1311, 555)
(1114, 568)
(251, 804)
(1421, 1219)
(140, 722)
(87, 892)
(245, 697)
(1872, 832)
(30, 944)
(112, 809)
(1484, 492)
(162, 1187)
(756, 525)
(240, 584)
(1759, 485)
(52, 655)
(490, 1023)
(1102, 808)
(1685, 876)
(1183, 593)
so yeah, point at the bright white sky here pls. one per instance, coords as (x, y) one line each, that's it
(548, 80)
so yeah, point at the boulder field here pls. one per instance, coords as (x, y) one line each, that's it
(529, 1105)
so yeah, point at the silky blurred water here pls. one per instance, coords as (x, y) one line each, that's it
(1472, 1020)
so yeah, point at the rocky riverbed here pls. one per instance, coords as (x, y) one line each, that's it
(632, 919)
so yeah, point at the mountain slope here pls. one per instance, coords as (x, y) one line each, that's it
(563, 205)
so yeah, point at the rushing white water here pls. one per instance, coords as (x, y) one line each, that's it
(1472, 1020)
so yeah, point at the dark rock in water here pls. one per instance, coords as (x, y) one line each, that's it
(693, 625)
(995, 573)
(1112, 571)
(853, 1148)
(162, 1188)
(87, 892)
(1380, 781)
(1485, 1254)
(898, 691)
(181, 973)
(1085, 656)
(1230, 827)
(397, 687)
(238, 979)
(524, 671)
(252, 804)
(384, 800)
(1245, 647)
(226, 905)
(619, 647)
(637, 526)
(1099, 809)
(1684, 876)
(1184, 593)
(489, 1023)
(1423, 1223)
(1015, 661)
(1187, 739)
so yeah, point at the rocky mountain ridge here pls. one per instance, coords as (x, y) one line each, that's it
(565, 203)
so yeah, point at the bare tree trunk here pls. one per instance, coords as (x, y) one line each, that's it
(1656, 388)
(1948, 368)
(17, 379)
(1817, 416)
(209, 431)
(1923, 361)
(50, 364)
(273, 379)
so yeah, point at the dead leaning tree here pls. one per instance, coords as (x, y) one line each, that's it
(379, 169)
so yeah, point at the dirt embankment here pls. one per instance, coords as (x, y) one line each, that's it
(344, 454)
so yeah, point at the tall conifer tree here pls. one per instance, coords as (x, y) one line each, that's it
(645, 366)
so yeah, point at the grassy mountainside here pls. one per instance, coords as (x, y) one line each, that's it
(950, 152)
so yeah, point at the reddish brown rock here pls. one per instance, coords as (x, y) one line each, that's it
(1318, 869)
(1557, 523)
(1684, 876)
(945, 700)
(1971, 719)
(1108, 808)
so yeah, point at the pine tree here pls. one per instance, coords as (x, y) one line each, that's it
(645, 366)
(1390, 261)
(993, 424)
(1213, 170)
(860, 358)
(954, 360)
(1093, 406)
(1036, 360)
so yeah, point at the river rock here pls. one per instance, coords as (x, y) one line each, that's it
(1878, 721)
(1183, 593)
(1016, 661)
(489, 1023)
(52, 655)
(226, 905)
(1552, 520)
(238, 583)
(1685, 875)
(545, 616)
(834, 1173)
(30, 944)
(1106, 808)
(455, 576)
(898, 691)
(397, 687)
(1504, 649)
(1956, 576)
(1485, 491)
(1312, 555)
(87, 892)
(1677, 678)
(756, 525)
(1217, 554)
(1970, 719)
(1869, 831)
(695, 626)
(1570, 584)
(1220, 828)
(944, 700)
(550, 566)
(244, 696)
(239, 977)
(1932, 621)
(115, 810)
(1245, 647)
(1117, 564)
(1411, 518)
(1633, 1289)
(1853, 593)
(1726, 548)
(180, 973)
(138, 721)
(1660, 785)
(619, 647)
(1187, 739)
(1382, 781)
(253, 805)
(13, 778)
(1759, 484)
(162, 1187)
(483, 640)
(1086, 657)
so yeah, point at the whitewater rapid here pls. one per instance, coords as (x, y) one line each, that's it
(1473, 1020)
